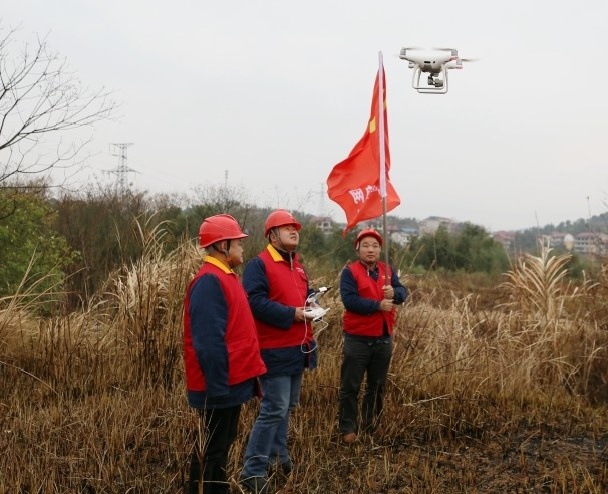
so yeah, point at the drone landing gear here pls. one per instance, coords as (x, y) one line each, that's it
(435, 85)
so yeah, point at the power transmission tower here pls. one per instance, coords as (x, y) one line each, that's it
(122, 170)
(322, 211)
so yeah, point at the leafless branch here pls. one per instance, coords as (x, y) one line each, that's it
(40, 97)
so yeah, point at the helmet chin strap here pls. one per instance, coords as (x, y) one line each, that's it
(277, 235)
(226, 253)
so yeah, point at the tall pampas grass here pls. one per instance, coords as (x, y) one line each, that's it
(504, 394)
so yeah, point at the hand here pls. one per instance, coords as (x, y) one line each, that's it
(299, 314)
(386, 305)
(389, 292)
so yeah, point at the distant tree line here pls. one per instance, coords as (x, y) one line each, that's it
(75, 239)
(470, 250)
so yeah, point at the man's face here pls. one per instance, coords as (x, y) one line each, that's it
(287, 238)
(236, 252)
(369, 250)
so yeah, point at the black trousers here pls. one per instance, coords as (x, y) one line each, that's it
(210, 456)
(360, 358)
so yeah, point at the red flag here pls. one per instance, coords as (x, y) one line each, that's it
(355, 183)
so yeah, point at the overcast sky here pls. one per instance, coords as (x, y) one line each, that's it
(272, 94)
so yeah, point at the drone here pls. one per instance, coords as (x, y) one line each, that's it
(313, 310)
(435, 62)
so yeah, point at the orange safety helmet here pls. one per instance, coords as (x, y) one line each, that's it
(367, 232)
(280, 217)
(217, 228)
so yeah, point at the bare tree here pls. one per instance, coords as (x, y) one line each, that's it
(222, 198)
(40, 97)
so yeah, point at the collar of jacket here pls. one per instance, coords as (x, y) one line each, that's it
(280, 255)
(373, 270)
(219, 264)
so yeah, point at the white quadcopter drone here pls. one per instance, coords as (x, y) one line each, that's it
(435, 62)
(313, 310)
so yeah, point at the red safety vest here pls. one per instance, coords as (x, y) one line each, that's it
(244, 360)
(369, 324)
(288, 287)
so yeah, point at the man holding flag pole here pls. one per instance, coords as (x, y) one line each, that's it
(369, 289)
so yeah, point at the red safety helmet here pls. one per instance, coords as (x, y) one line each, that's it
(367, 232)
(217, 228)
(280, 217)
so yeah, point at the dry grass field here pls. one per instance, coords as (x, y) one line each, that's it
(501, 389)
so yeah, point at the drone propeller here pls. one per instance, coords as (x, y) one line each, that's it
(453, 51)
(469, 59)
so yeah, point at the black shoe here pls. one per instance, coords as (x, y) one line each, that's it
(284, 468)
(287, 467)
(256, 485)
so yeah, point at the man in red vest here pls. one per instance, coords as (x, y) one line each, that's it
(221, 351)
(278, 287)
(369, 290)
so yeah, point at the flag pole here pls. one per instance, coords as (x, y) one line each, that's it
(381, 101)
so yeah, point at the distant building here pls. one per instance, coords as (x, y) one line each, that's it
(323, 223)
(431, 224)
(504, 238)
(591, 243)
(375, 223)
(556, 239)
(403, 236)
